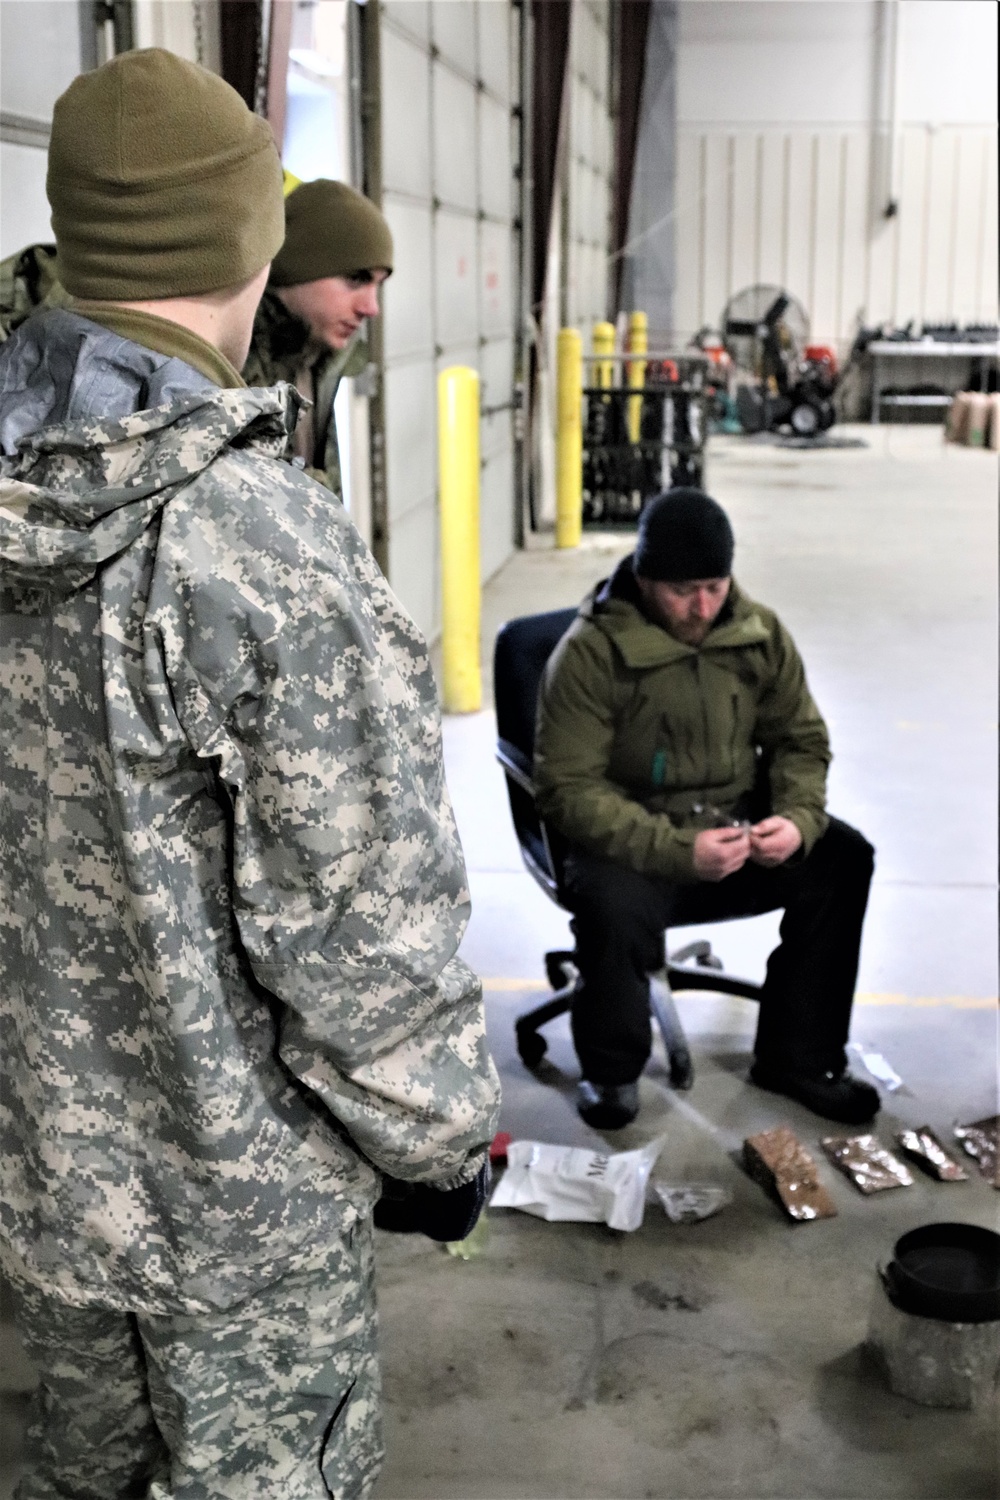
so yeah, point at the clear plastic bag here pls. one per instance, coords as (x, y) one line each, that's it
(878, 1067)
(689, 1202)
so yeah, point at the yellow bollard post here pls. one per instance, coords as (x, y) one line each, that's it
(458, 470)
(603, 342)
(569, 438)
(638, 343)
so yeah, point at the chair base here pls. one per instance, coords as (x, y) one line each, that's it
(679, 1060)
(693, 967)
(561, 974)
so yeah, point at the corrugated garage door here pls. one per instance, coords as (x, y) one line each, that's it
(449, 83)
(40, 56)
(576, 292)
(589, 164)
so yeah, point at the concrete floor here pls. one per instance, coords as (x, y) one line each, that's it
(723, 1359)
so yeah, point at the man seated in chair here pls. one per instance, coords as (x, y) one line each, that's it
(681, 755)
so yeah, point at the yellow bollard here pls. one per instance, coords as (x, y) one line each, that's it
(638, 343)
(569, 439)
(458, 469)
(603, 342)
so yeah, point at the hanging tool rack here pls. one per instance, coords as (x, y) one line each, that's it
(640, 439)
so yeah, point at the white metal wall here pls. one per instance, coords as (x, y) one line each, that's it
(40, 54)
(589, 163)
(190, 28)
(449, 83)
(781, 128)
(794, 207)
(39, 57)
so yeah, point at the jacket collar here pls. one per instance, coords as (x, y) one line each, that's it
(614, 607)
(164, 337)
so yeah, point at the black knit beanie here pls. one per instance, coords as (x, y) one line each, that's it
(683, 534)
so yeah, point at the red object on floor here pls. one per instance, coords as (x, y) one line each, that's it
(498, 1148)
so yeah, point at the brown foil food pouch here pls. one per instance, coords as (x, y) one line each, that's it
(866, 1162)
(927, 1151)
(779, 1161)
(980, 1142)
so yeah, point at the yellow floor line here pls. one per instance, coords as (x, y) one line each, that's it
(519, 985)
(956, 1002)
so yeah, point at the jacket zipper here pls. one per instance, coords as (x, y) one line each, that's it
(732, 738)
(704, 717)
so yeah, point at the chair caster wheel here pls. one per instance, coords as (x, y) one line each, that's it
(681, 1071)
(531, 1047)
(555, 970)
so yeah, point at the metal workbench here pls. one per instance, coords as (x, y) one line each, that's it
(918, 350)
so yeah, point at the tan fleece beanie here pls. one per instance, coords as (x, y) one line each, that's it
(162, 182)
(330, 230)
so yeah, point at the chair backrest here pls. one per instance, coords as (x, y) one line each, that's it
(522, 650)
(523, 647)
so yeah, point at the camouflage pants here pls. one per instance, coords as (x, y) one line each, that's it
(276, 1397)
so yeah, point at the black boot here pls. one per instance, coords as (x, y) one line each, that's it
(834, 1096)
(607, 1106)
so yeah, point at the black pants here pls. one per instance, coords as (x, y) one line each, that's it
(619, 918)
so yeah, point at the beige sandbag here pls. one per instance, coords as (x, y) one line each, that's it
(956, 423)
(994, 432)
(978, 420)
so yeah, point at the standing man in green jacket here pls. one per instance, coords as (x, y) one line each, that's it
(323, 285)
(680, 753)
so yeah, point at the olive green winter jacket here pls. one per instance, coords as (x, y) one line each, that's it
(642, 741)
(29, 280)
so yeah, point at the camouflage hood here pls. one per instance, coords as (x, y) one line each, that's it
(77, 494)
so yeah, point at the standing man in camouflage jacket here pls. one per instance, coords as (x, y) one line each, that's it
(323, 286)
(231, 882)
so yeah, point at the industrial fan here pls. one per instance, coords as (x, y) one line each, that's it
(787, 382)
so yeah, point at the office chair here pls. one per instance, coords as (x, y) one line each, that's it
(523, 648)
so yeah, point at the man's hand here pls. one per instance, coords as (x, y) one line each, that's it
(719, 852)
(416, 1208)
(774, 840)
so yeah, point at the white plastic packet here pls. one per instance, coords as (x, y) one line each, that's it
(878, 1067)
(691, 1201)
(564, 1182)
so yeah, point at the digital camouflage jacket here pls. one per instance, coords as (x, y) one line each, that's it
(282, 349)
(230, 880)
